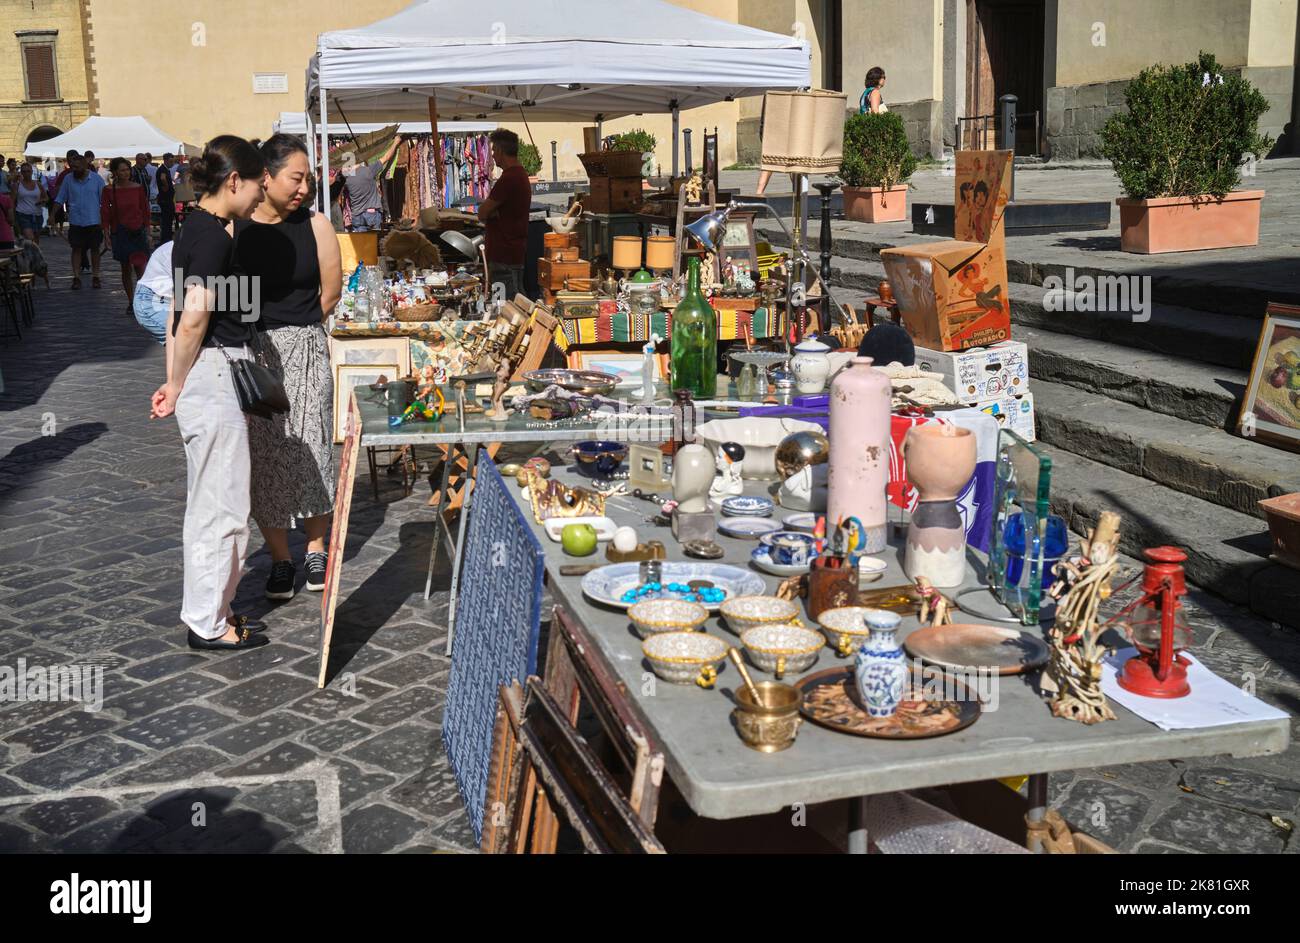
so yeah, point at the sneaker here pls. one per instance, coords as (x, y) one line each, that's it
(315, 566)
(279, 585)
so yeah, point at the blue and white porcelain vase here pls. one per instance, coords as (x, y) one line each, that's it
(881, 668)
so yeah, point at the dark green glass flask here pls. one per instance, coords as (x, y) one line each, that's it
(695, 340)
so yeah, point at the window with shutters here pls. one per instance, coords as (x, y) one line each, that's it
(40, 65)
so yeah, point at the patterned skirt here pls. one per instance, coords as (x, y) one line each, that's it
(293, 454)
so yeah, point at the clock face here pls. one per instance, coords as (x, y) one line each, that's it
(736, 235)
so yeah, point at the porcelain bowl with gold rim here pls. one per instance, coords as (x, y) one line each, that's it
(782, 649)
(651, 616)
(685, 657)
(748, 612)
(845, 628)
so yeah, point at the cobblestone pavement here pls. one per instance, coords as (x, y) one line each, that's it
(91, 499)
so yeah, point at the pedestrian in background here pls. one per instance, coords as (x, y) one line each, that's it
(80, 194)
(155, 292)
(125, 214)
(294, 254)
(29, 196)
(166, 187)
(207, 335)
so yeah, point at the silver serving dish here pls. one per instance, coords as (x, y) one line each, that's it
(585, 382)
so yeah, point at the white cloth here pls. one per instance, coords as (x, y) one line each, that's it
(215, 538)
(158, 276)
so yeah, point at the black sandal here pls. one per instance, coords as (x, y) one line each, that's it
(246, 640)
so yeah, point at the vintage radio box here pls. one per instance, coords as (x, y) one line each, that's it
(981, 373)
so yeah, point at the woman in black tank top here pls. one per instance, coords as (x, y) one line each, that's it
(294, 256)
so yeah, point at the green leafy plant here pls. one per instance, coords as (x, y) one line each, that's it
(1186, 132)
(876, 152)
(638, 140)
(531, 160)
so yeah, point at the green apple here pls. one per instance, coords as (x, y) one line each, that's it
(578, 540)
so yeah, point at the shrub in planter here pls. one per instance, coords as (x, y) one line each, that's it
(531, 160)
(876, 166)
(640, 142)
(1178, 152)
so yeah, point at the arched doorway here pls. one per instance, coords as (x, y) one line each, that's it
(42, 133)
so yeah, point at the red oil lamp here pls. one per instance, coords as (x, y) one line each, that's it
(1157, 628)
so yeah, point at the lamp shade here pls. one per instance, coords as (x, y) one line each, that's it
(659, 252)
(803, 132)
(627, 252)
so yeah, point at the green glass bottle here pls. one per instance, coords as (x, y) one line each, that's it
(695, 340)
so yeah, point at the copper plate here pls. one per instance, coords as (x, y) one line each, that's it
(971, 647)
(830, 699)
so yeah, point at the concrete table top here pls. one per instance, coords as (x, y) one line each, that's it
(722, 778)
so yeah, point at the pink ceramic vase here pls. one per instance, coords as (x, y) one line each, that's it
(940, 461)
(859, 462)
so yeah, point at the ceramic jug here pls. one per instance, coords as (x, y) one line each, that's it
(811, 365)
(940, 461)
(859, 462)
(692, 477)
(880, 669)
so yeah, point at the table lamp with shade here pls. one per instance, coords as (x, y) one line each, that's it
(627, 254)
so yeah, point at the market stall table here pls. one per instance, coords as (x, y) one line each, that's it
(721, 778)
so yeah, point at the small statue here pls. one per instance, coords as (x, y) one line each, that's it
(934, 605)
(744, 280)
(1073, 675)
(728, 461)
(498, 412)
(550, 498)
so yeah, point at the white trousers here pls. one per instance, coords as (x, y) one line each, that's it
(215, 433)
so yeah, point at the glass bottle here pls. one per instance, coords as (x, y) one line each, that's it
(695, 340)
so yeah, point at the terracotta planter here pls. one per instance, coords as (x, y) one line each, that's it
(876, 204)
(1283, 515)
(1181, 224)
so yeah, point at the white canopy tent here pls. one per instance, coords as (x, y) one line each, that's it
(295, 122)
(547, 60)
(112, 137)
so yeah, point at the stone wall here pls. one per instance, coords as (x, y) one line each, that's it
(924, 123)
(20, 120)
(1075, 116)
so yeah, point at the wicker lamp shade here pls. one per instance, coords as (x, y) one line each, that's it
(803, 132)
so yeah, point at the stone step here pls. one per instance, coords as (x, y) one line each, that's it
(1209, 464)
(1227, 552)
(1231, 288)
(1173, 386)
(1217, 339)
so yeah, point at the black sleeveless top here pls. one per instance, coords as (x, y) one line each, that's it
(283, 257)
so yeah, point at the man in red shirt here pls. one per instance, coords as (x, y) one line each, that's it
(505, 218)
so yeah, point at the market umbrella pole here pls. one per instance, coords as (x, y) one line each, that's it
(324, 152)
(437, 144)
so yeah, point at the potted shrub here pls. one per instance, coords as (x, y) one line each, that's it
(1178, 152)
(531, 161)
(875, 169)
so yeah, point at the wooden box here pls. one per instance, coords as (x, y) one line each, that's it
(614, 195)
(551, 274)
(560, 240)
(562, 253)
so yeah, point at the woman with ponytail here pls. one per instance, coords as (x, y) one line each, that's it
(294, 254)
(211, 328)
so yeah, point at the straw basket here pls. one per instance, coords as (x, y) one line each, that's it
(417, 313)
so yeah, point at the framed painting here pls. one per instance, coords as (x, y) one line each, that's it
(624, 364)
(370, 350)
(349, 376)
(1270, 410)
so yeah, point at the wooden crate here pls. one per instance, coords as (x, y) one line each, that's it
(562, 253)
(560, 240)
(552, 274)
(614, 195)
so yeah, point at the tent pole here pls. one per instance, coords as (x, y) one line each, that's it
(311, 140)
(437, 149)
(324, 152)
(676, 134)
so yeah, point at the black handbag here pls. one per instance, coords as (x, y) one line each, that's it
(260, 389)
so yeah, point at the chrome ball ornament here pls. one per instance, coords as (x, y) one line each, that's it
(800, 449)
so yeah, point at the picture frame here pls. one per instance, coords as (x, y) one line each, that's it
(738, 244)
(349, 376)
(1271, 412)
(371, 350)
(625, 364)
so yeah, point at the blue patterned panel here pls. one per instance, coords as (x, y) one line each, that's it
(498, 615)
